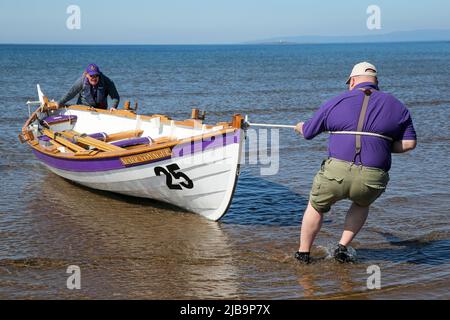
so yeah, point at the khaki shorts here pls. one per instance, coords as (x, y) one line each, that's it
(338, 180)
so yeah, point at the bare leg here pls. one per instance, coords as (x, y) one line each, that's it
(311, 224)
(355, 219)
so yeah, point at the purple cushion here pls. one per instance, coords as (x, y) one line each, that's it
(98, 135)
(133, 142)
(44, 138)
(102, 136)
(58, 119)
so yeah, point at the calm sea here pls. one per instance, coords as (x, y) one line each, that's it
(134, 248)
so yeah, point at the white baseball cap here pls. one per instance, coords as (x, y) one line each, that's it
(363, 69)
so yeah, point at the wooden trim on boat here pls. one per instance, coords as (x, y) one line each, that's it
(27, 136)
(29, 121)
(161, 143)
(131, 115)
(146, 156)
(125, 152)
(55, 146)
(124, 135)
(195, 113)
(237, 121)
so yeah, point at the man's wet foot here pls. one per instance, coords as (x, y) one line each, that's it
(303, 257)
(342, 255)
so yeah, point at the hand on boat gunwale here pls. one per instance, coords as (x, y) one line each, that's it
(299, 128)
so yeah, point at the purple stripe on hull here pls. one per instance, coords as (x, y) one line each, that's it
(88, 165)
(79, 165)
(206, 144)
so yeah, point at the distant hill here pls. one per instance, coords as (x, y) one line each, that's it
(376, 36)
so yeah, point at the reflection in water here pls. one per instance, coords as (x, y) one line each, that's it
(312, 283)
(123, 247)
(309, 284)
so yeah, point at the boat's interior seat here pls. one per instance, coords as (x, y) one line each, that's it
(60, 122)
(53, 120)
(127, 139)
(133, 142)
(100, 140)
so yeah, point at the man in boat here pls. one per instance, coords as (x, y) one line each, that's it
(93, 89)
(366, 126)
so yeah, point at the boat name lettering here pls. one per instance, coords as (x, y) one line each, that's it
(146, 157)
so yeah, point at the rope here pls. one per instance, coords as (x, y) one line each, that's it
(362, 134)
(270, 125)
(331, 132)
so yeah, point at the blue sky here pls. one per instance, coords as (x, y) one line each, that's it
(208, 21)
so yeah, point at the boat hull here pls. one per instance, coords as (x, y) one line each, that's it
(200, 176)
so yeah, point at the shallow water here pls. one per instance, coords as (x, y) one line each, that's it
(135, 248)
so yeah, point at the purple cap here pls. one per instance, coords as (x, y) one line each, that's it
(93, 69)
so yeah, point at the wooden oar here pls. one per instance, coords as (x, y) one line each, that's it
(124, 135)
(90, 141)
(61, 140)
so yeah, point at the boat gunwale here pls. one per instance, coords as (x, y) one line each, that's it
(125, 152)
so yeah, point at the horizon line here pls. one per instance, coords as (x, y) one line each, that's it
(272, 40)
(268, 43)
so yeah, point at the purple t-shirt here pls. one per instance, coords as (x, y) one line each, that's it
(385, 115)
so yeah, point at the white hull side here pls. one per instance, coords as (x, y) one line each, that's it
(213, 173)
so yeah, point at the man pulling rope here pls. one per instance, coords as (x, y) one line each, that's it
(358, 163)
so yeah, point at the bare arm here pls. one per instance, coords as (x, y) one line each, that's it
(402, 146)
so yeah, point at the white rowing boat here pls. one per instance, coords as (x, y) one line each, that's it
(185, 163)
